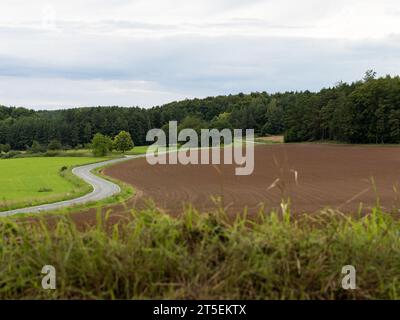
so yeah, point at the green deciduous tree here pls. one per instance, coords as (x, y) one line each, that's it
(221, 122)
(123, 142)
(101, 145)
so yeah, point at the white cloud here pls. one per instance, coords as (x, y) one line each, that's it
(151, 51)
(55, 93)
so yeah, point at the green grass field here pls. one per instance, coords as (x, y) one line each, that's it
(88, 153)
(138, 150)
(31, 181)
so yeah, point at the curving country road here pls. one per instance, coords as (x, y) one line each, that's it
(101, 189)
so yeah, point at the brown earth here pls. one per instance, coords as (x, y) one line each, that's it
(327, 175)
(336, 176)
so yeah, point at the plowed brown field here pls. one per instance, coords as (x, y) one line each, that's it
(334, 176)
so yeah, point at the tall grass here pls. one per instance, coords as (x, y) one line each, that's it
(203, 256)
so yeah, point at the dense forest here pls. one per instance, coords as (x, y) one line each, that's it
(366, 111)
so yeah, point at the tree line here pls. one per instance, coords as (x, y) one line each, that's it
(365, 111)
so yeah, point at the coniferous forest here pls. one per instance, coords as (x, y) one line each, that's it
(366, 111)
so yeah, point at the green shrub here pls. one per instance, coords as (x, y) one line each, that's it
(36, 148)
(54, 145)
(11, 154)
(5, 148)
(51, 153)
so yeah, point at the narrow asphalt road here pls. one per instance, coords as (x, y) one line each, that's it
(101, 189)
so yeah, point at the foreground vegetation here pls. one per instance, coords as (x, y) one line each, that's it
(203, 256)
(32, 181)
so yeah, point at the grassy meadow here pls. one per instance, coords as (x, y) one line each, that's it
(137, 150)
(31, 181)
(150, 255)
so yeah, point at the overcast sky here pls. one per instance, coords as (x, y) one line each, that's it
(65, 53)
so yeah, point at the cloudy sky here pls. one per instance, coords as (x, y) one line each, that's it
(65, 53)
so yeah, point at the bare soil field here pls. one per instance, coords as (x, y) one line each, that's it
(312, 176)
